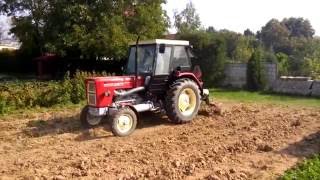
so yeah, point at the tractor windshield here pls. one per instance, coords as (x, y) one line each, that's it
(146, 56)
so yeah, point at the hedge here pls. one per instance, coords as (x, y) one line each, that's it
(29, 94)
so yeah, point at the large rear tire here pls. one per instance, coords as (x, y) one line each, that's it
(124, 122)
(88, 120)
(183, 101)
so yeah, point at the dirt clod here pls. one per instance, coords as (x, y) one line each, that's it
(59, 177)
(212, 177)
(265, 148)
(296, 123)
(232, 170)
(177, 163)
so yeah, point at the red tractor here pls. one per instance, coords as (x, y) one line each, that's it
(159, 76)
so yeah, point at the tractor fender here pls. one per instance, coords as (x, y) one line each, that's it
(189, 75)
(134, 110)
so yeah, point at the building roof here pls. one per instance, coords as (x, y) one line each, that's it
(163, 41)
(171, 36)
(8, 46)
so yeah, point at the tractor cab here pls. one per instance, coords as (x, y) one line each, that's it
(157, 61)
(159, 57)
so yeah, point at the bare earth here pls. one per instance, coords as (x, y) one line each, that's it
(247, 142)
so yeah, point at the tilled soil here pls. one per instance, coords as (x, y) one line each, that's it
(248, 141)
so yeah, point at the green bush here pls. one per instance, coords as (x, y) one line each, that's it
(78, 87)
(256, 79)
(210, 53)
(310, 169)
(283, 64)
(20, 95)
(3, 104)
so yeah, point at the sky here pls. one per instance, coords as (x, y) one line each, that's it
(238, 15)
(4, 23)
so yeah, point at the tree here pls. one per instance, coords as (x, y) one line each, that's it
(292, 38)
(283, 64)
(255, 72)
(187, 20)
(311, 63)
(211, 29)
(274, 35)
(85, 28)
(239, 47)
(29, 27)
(248, 32)
(299, 27)
(210, 53)
(243, 50)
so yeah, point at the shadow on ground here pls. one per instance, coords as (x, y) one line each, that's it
(307, 147)
(150, 119)
(57, 125)
(62, 125)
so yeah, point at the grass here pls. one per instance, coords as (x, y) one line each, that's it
(264, 98)
(219, 94)
(309, 169)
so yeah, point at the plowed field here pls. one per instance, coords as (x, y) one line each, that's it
(249, 141)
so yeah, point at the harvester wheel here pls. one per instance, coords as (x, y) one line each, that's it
(88, 120)
(183, 101)
(124, 122)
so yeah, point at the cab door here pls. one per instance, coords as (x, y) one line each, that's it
(159, 81)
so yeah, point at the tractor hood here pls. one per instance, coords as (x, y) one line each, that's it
(102, 89)
(118, 82)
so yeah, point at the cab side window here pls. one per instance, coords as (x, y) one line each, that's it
(163, 62)
(180, 58)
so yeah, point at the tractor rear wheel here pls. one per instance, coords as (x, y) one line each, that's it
(88, 120)
(183, 101)
(124, 122)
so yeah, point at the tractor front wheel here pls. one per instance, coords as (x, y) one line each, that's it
(124, 122)
(183, 101)
(88, 120)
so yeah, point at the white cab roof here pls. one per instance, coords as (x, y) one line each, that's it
(163, 41)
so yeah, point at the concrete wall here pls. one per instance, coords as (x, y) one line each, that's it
(236, 74)
(293, 85)
(316, 89)
(297, 86)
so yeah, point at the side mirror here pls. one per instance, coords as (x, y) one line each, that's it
(162, 48)
(190, 51)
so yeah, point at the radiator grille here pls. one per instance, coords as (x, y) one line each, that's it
(91, 87)
(92, 93)
(92, 99)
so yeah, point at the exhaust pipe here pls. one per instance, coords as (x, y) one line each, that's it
(127, 93)
(136, 61)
